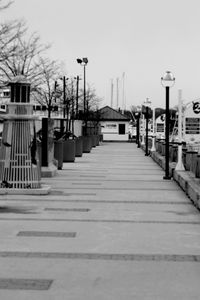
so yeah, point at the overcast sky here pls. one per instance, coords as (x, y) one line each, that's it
(142, 38)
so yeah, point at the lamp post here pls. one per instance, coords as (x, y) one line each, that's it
(84, 62)
(137, 115)
(146, 112)
(153, 148)
(143, 130)
(167, 81)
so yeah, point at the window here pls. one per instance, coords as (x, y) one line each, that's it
(160, 127)
(122, 128)
(3, 108)
(111, 126)
(24, 94)
(6, 94)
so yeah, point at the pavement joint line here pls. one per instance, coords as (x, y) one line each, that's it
(86, 183)
(126, 189)
(101, 201)
(103, 221)
(103, 256)
(96, 176)
(67, 209)
(25, 284)
(53, 192)
(46, 234)
(111, 180)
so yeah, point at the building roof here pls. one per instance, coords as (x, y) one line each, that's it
(107, 113)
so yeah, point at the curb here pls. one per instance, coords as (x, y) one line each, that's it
(185, 179)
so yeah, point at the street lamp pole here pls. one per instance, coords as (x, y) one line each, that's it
(153, 148)
(138, 129)
(147, 131)
(167, 176)
(84, 62)
(167, 81)
(84, 88)
(146, 113)
(143, 130)
(137, 115)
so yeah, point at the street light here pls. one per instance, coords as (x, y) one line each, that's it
(137, 115)
(167, 81)
(146, 109)
(153, 148)
(84, 62)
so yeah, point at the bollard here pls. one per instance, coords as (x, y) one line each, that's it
(197, 170)
(58, 152)
(69, 150)
(189, 160)
(78, 146)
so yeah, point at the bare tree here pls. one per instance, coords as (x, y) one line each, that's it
(19, 53)
(48, 73)
(9, 32)
(92, 100)
(5, 4)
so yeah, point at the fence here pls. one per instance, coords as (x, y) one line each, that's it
(190, 155)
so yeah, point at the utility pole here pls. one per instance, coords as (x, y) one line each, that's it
(77, 91)
(72, 108)
(64, 96)
(55, 87)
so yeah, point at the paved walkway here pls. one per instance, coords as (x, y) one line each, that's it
(111, 229)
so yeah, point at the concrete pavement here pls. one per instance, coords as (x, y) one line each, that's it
(111, 229)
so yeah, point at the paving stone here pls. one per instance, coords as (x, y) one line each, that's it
(47, 234)
(25, 284)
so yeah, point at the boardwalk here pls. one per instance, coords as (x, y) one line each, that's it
(111, 229)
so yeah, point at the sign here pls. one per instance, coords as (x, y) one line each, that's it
(196, 107)
(192, 125)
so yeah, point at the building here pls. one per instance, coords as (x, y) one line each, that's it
(114, 125)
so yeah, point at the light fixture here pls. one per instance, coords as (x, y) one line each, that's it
(168, 79)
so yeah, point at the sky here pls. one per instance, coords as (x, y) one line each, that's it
(140, 38)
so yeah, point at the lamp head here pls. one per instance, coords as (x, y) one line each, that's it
(79, 61)
(138, 108)
(137, 114)
(85, 60)
(168, 79)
